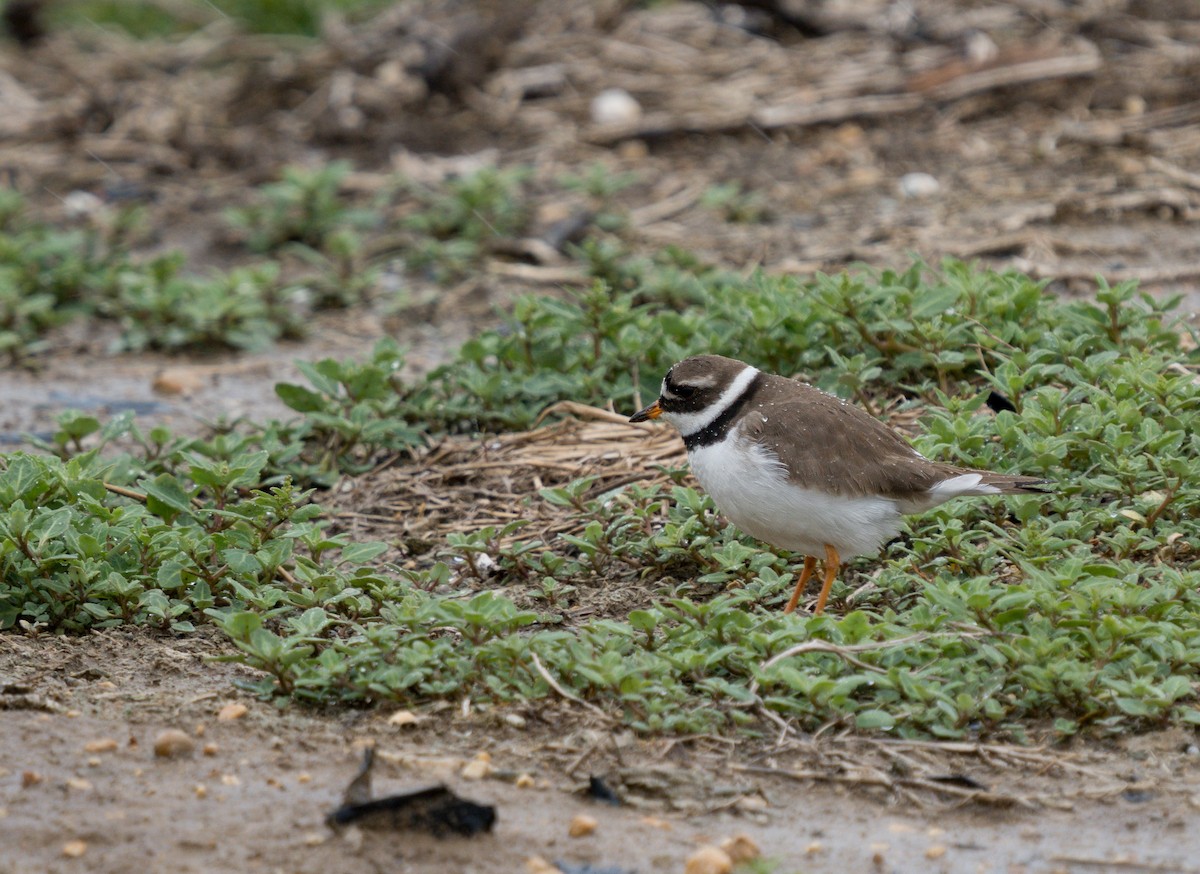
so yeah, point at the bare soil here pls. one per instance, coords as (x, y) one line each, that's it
(254, 794)
(1064, 139)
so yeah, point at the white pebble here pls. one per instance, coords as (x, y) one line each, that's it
(82, 204)
(919, 185)
(615, 106)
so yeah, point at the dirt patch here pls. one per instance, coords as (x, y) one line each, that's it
(270, 778)
(1062, 140)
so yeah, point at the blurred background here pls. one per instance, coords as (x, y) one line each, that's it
(188, 179)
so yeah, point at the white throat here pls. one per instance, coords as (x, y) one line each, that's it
(690, 423)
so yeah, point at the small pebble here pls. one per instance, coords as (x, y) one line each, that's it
(752, 803)
(79, 784)
(525, 781)
(615, 106)
(210, 749)
(402, 718)
(353, 838)
(236, 710)
(980, 48)
(582, 825)
(538, 865)
(1135, 104)
(708, 860)
(178, 381)
(230, 780)
(104, 745)
(30, 778)
(516, 720)
(201, 790)
(919, 185)
(814, 847)
(935, 852)
(304, 777)
(82, 204)
(172, 743)
(478, 768)
(740, 849)
(74, 849)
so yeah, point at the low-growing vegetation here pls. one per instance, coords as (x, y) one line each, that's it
(49, 275)
(1077, 611)
(303, 243)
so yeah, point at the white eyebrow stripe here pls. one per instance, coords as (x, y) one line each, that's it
(708, 380)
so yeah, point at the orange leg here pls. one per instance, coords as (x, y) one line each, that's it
(809, 564)
(832, 562)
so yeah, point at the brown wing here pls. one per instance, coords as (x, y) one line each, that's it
(828, 444)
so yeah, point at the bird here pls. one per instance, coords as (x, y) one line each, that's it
(804, 470)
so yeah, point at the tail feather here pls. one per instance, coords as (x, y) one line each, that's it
(983, 482)
(1015, 485)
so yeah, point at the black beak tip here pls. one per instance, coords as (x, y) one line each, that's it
(651, 412)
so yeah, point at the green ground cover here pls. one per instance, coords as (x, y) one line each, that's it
(1077, 611)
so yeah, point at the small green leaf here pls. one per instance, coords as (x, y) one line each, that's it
(361, 553)
(300, 399)
(166, 496)
(874, 720)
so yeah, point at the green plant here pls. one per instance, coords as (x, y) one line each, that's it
(305, 206)
(598, 182)
(352, 412)
(80, 550)
(342, 277)
(47, 276)
(141, 20)
(159, 308)
(50, 276)
(454, 224)
(144, 19)
(601, 185)
(736, 204)
(301, 17)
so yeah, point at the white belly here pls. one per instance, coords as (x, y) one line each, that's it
(750, 487)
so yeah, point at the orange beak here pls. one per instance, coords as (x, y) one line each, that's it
(651, 412)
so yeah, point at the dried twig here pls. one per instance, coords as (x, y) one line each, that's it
(570, 696)
(125, 493)
(841, 651)
(1082, 63)
(1120, 863)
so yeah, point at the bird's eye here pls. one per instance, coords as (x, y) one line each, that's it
(684, 390)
